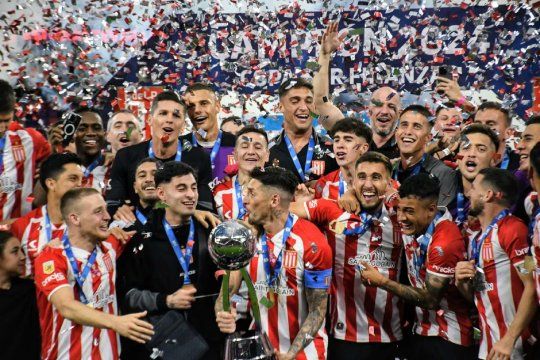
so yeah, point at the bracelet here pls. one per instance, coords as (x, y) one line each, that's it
(461, 101)
(446, 152)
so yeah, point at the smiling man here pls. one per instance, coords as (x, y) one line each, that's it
(299, 147)
(251, 151)
(203, 108)
(412, 135)
(123, 130)
(166, 121)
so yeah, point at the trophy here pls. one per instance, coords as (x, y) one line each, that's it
(231, 246)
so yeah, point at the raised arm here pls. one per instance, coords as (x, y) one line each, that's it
(328, 112)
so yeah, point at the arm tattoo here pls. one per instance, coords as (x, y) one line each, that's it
(427, 297)
(317, 300)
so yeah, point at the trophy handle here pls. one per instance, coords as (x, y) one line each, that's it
(252, 298)
(225, 291)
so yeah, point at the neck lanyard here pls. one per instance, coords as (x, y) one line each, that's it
(505, 161)
(2, 146)
(271, 278)
(140, 216)
(93, 165)
(48, 226)
(366, 221)
(178, 156)
(304, 173)
(477, 243)
(423, 241)
(80, 277)
(185, 258)
(239, 201)
(215, 148)
(461, 215)
(342, 185)
(415, 171)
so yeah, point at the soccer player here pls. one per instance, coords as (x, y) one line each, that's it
(412, 135)
(76, 292)
(59, 174)
(203, 108)
(351, 139)
(291, 269)
(447, 127)
(365, 320)
(496, 275)
(171, 267)
(298, 147)
(383, 109)
(166, 120)
(251, 151)
(123, 130)
(433, 245)
(21, 152)
(529, 138)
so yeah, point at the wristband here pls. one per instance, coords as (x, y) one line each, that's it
(446, 152)
(461, 101)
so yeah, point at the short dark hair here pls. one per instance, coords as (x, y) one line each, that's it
(234, 119)
(446, 105)
(7, 97)
(422, 186)
(294, 83)
(251, 129)
(158, 163)
(354, 126)
(200, 86)
(73, 196)
(166, 95)
(477, 128)
(277, 177)
(492, 105)
(53, 166)
(170, 169)
(4, 238)
(375, 157)
(502, 181)
(534, 158)
(86, 109)
(533, 120)
(422, 110)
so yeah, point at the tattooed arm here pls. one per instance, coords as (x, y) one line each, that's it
(317, 300)
(427, 297)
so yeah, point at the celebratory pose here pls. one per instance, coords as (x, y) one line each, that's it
(291, 269)
(75, 279)
(433, 245)
(496, 274)
(365, 321)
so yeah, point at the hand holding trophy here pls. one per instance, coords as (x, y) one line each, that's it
(232, 245)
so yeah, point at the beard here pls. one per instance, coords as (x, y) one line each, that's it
(477, 209)
(383, 133)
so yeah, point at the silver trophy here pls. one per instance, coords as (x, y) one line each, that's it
(231, 246)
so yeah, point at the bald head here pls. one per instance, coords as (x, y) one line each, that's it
(384, 109)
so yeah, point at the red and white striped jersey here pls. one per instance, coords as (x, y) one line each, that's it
(226, 199)
(23, 151)
(327, 186)
(30, 230)
(498, 291)
(447, 247)
(359, 313)
(99, 178)
(305, 250)
(536, 254)
(62, 338)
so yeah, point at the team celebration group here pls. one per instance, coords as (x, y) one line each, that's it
(413, 235)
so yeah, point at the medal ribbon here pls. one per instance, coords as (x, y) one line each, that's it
(304, 174)
(80, 277)
(271, 278)
(183, 259)
(215, 148)
(178, 156)
(423, 244)
(478, 242)
(140, 216)
(415, 171)
(239, 201)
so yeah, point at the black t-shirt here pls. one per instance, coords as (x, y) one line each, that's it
(125, 164)
(152, 265)
(389, 148)
(323, 161)
(19, 321)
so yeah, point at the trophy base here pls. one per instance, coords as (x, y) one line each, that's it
(249, 345)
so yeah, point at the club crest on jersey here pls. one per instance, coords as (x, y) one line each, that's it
(48, 267)
(108, 262)
(487, 252)
(289, 259)
(317, 167)
(18, 153)
(230, 159)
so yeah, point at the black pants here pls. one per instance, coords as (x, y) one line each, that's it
(435, 347)
(347, 350)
